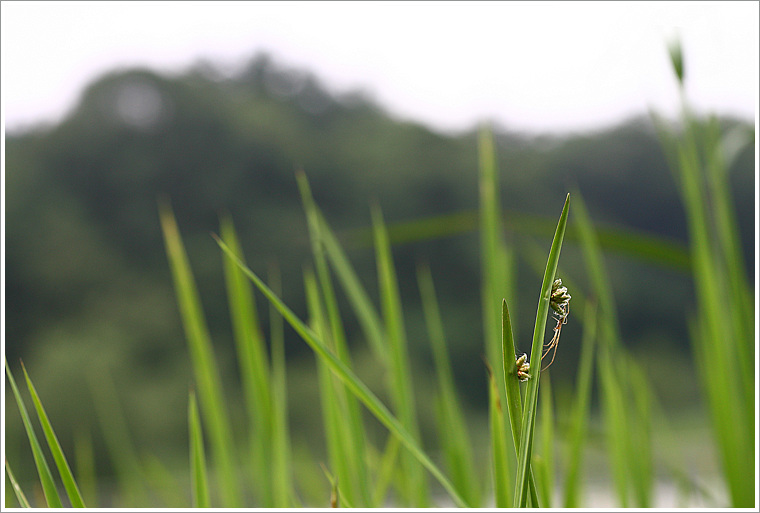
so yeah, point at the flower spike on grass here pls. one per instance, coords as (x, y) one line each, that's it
(523, 366)
(560, 303)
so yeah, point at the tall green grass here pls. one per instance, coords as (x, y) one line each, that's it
(721, 313)
(254, 466)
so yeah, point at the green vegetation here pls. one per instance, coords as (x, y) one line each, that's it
(396, 431)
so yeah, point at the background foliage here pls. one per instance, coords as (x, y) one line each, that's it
(89, 294)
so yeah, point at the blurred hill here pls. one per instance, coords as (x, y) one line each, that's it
(88, 284)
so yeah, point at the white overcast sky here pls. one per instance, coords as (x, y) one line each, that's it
(530, 66)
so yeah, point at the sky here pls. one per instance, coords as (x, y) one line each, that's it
(530, 66)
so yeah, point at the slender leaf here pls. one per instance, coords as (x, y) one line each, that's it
(129, 471)
(499, 441)
(253, 363)
(84, 463)
(642, 467)
(365, 312)
(198, 473)
(332, 413)
(531, 399)
(629, 458)
(496, 261)
(282, 481)
(164, 483)
(511, 380)
(385, 467)
(580, 412)
(721, 299)
(357, 387)
(642, 246)
(546, 486)
(72, 490)
(415, 489)
(453, 428)
(22, 500)
(46, 478)
(355, 482)
(209, 383)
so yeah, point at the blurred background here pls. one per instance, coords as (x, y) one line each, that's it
(109, 107)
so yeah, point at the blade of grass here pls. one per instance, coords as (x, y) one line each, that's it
(642, 467)
(531, 399)
(727, 232)
(453, 428)
(46, 478)
(355, 482)
(333, 415)
(546, 486)
(415, 490)
(84, 462)
(253, 362)
(632, 463)
(282, 476)
(359, 299)
(199, 478)
(642, 246)
(355, 385)
(22, 500)
(610, 361)
(714, 247)
(580, 412)
(69, 483)
(385, 467)
(499, 455)
(495, 259)
(514, 400)
(209, 384)
(129, 472)
(166, 487)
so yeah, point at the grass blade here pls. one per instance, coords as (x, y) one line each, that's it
(642, 466)
(253, 361)
(46, 478)
(329, 387)
(355, 385)
(199, 478)
(84, 463)
(355, 482)
(546, 483)
(415, 489)
(129, 472)
(632, 463)
(55, 447)
(511, 380)
(282, 480)
(499, 441)
(723, 305)
(580, 411)
(453, 428)
(496, 261)
(531, 399)
(609, 362)
(22, 500)
(209, 385)
(642, 246)
(385, 466)
(359, 299)
(166, 487)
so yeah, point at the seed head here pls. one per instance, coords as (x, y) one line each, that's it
(560, 299)
(522, 368)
